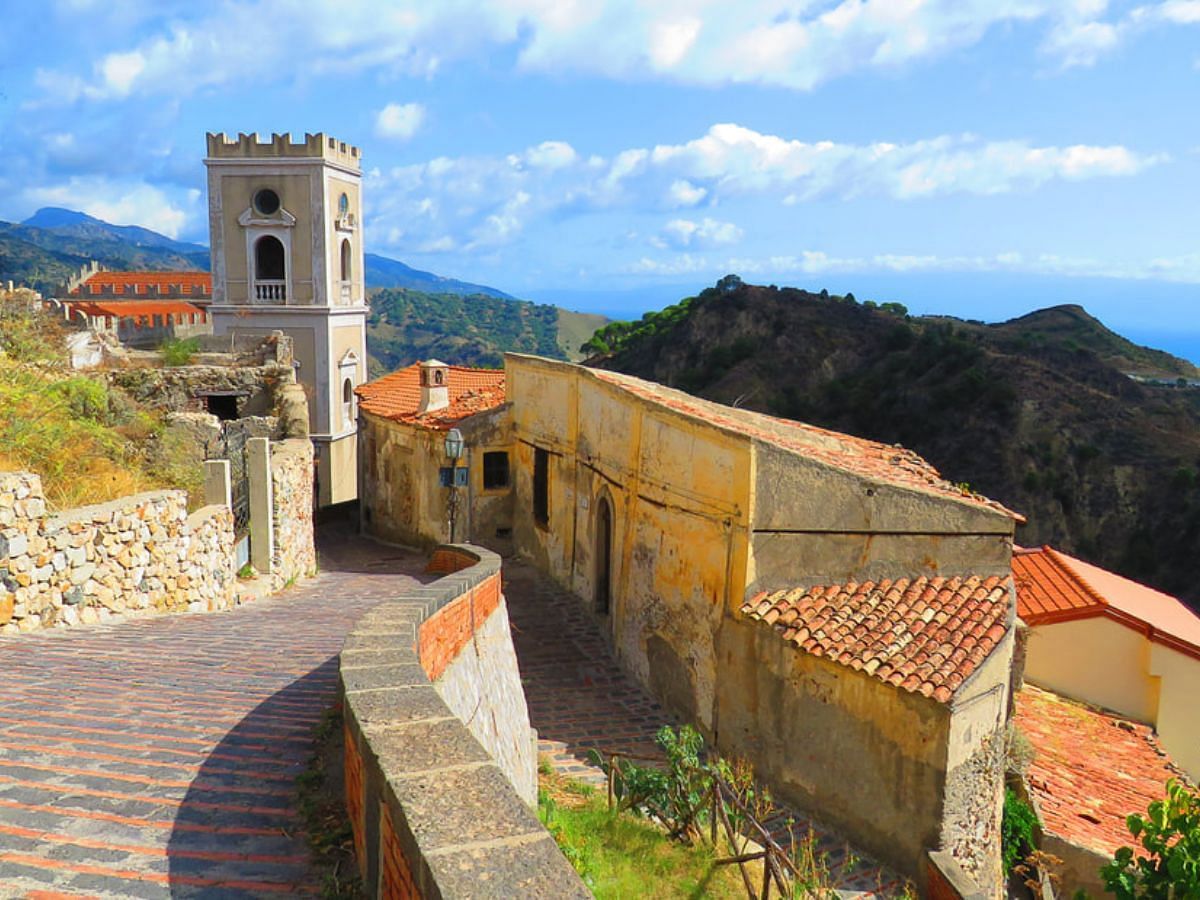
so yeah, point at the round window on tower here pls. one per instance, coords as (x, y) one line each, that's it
(266, 202)
(343, 206)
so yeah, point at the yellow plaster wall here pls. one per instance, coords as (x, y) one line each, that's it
(1095, 660)
(868, 758)
(679, 491)
(1178, 723)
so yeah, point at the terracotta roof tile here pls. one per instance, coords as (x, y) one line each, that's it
(396, 396)
(885, 463)
(121, 309)
(882, 628)
(135, 283)
(1055, 587)
(1091, 769)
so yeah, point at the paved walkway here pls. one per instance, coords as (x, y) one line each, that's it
(157, 757)
(580, 699)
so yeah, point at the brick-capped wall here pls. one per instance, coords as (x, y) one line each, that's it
(435, 808)
(444, 634)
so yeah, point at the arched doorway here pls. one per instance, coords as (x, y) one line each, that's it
(604, 529)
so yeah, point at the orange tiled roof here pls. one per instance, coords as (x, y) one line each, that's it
(121, 309)
(396, 396)
(882, 462)
(1091, 769)
(926, 635)
(134, 283)
(1055, 587)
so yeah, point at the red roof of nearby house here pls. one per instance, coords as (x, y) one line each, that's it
(925, 635)
(1054, 587)
(135, 283)
(122, 309)
(397, 396)
(882, 462)
(1090, 770)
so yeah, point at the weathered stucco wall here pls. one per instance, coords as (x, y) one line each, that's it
(817, 525)
(140, 554)
(403, 500)
(434, 813)
(868, 758)
(677, 489)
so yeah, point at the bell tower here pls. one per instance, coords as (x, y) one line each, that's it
(285, 228)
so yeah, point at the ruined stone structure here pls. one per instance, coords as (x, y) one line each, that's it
(287, 254)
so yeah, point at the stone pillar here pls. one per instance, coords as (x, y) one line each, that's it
(262, 503)
(218, 486)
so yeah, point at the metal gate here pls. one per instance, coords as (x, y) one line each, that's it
(232, 447)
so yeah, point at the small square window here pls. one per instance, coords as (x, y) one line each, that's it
(495, 470)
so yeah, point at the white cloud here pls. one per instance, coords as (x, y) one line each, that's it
(683, 193)
(399, 121)
(121, 203)
(707, 232)
(1182, 269)
(489, 201)
(707, 42)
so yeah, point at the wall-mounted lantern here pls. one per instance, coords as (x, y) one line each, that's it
(454, 451)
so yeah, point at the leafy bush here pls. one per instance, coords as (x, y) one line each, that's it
(1169, 867)
(176, 352)
(1016, 830)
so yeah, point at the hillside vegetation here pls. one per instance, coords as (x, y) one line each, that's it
(405, 326)
(89, 443)
(1035, 412)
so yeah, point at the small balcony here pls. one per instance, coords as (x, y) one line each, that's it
(270, 291)
(345, 293)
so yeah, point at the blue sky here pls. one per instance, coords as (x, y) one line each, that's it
(977, 157)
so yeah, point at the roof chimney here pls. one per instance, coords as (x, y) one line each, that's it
(435, 386)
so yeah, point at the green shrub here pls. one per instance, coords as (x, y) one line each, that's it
(1168, 864)
(1016, 830)
(176, 352)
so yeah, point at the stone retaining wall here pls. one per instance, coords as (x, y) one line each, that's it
(439, 752)
(138, 554)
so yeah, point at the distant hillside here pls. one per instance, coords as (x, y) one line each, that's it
(53, 244)
(405, 326)
(383, 272)
(70, 223)
(1035, 412)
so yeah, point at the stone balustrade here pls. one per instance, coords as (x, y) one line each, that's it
(440, 760)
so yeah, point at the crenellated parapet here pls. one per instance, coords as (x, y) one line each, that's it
(314, 146)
